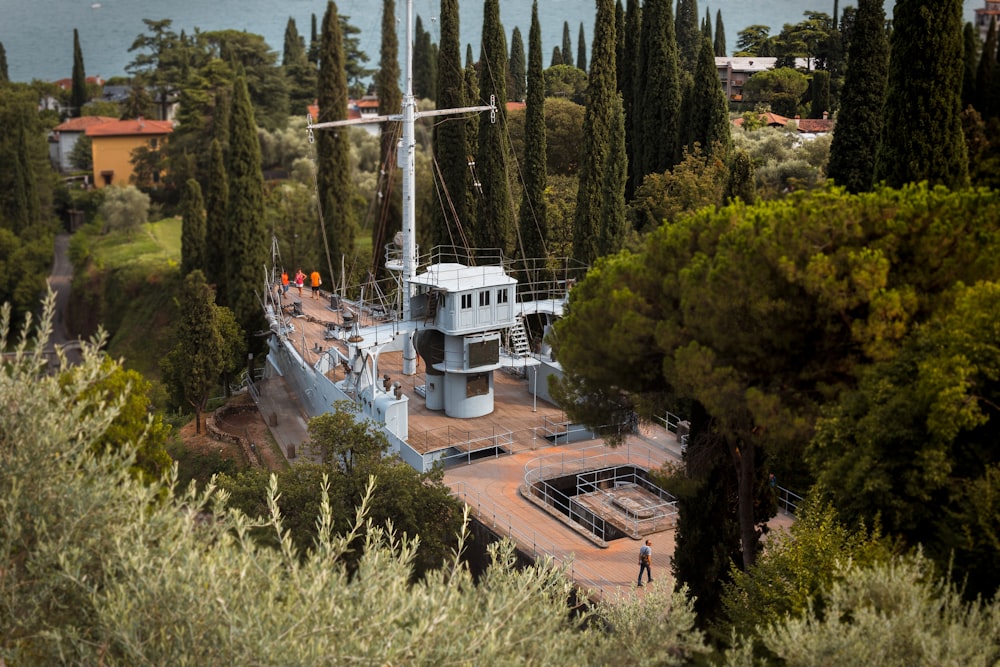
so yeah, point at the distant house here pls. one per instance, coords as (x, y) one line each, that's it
(735, 71)
(65, 135)
(114, 142)
(990, 10)
(366, 107)
(809, 126)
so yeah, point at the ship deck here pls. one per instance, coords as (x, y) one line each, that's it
(494, 481)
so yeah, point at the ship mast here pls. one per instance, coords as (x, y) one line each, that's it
(406, 159)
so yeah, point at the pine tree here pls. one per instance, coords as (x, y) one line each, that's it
(423, 59)
(859, 123)
(246, 246)
(192, 228)
(4, 74)
(593, 235)
(78, 93)
(687, 34)
(216, 222)
(709, 118)
(720, 35)
(533, 217)
(557, 58)
(925, 72)
(581, 50)
(518, 87)
(820, 94)
(333, 149)
(390, 99)
(987, 66)
(658, 98)
(450, 143)
(630, 93)
(567, 45)
(494, 219)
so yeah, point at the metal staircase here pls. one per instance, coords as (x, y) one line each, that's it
(518, 338)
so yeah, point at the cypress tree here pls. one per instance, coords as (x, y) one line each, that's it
(619, 44)
(518, 87)
(658, 97)
(533, 217)
(706, 27)
(390, 100)
(78, 93)
(987, 65)
(971, 43)
(299, 72)
(925, 73)
(740, 183)
(709, 119)
(567, 45)
(450, 145)
(423, 68)
(192, 228)
(859, 124)
(494, 219)
(720, 35)
(247, 243)
(4, 74)
(593, 235)
(216, 222)
(20, 209)
(333, 149)
(473, 189)
(581, 50)
(633, 27)
(314, 46)
(557, 58)
(820, 93)
(687, 34)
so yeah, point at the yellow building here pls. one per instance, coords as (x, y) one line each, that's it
(113, 143)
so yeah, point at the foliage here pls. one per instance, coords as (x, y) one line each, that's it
(518, 66)
(777, 85)
(93, 560)
(82, 155)
(209, 343)
(797, 567)
(78, 92)
(696, 182)
(709, 124)
(424, 67)
(720, 35)
(249, 55)
(892, 613)
(280, 148)
(925, 71)
(915, 439)
(124, 209)
(687, 34)
(783, 161)
(581, 50)
(566, 81)
(754, 40)
(627, 56)
(216, 225)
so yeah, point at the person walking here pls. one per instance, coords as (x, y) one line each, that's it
(315, 281)
(284, 281)
(300, 280)
(645, 556)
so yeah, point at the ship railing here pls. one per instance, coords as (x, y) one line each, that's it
(500, 443)
(674, 424)
(530, 542)
(562, 464)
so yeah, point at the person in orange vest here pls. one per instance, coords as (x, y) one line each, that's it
(284, 281)
(316, 282)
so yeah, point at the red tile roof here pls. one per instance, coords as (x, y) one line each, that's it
(67, 84)
(82, 123)
(122, 128)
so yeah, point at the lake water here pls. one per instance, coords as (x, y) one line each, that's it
(38, 34)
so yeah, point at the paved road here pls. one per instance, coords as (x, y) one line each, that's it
(60, 282)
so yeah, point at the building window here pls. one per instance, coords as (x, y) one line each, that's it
(503, 296)
(466, 301)
(484, 298)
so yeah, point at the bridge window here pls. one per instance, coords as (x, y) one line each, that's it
(503, 296)
(466, 301)
(484, 298)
